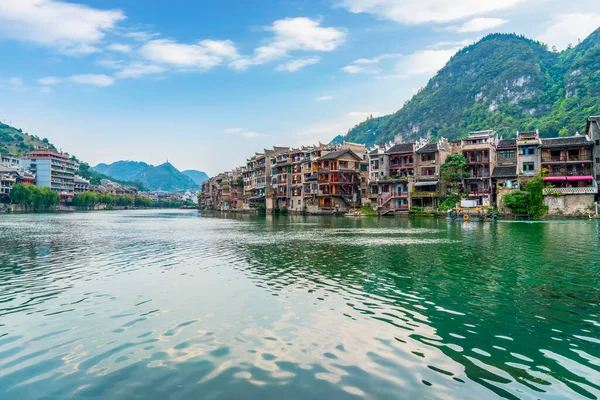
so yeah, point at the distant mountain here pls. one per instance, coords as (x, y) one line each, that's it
(503, 82)
(161, 177)
(197, 176)
(17, 143)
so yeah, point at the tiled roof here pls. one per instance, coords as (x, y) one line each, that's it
(401, 148)
(505, 172)
(374, 152)
(566, 141)
(428, 148)
(337, 154)
(507, 143)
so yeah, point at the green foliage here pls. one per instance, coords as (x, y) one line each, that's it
(535, 188)
(85, 199)
(517, 201)
(261, 208)
(33, 197)
(531, 201)
(283, 210)
(448, 202)
(504, 82)
(415, 210)
(454, 170)
(142, 201)
(367, 210)
(17, 143)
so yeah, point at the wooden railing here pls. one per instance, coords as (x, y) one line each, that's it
(419, 195)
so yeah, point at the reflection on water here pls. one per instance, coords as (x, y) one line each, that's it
(157, 304)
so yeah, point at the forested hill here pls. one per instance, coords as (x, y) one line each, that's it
(17, 143)
(161, 177)
(503, 82)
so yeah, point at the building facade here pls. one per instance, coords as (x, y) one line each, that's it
(53, 170)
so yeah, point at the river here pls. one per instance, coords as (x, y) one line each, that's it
(174, 304)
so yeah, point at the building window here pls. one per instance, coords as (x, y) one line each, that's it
(528, 151)
(363, 167)
(428, 171)
(428, 157)
(528, 167)
(381, 173)
(363, 179)
(507, 154)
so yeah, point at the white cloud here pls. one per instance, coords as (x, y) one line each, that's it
(137, 70)
(242, 132)
(324, 98)
(110, 64)
(120, 48)
(293, 34)
(569, 29)
(363, 61)
(356, 69)
(50, 80)
(140, 36)
(424, 62)
(84, 79)
(368, 65)
(204, 55)
(423, 11)
(478, 25)
(93, 79)
(68, 27)
(13, 83)
(45, 89)
(295, 65)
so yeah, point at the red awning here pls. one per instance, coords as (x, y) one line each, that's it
(580, 178)
(555, 178)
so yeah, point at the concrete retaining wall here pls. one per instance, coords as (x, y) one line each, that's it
(569, 204)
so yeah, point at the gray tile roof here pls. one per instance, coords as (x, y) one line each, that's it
(401, 148)
(567, 141)
(505, 172)
(507, 143)
(428, 148)
(336, 154)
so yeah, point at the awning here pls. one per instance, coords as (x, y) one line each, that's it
(431, 183)
(257, 198)
(554, 178)
(580, 178)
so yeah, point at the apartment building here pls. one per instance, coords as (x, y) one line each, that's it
(479, 148)
(53, 170)
(528, 159)
(80, 184)
(427, 187)
(338, 177)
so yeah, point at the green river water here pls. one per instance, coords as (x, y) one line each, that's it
(179, 305)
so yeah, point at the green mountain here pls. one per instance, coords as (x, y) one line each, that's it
(162, 177)
(197, 176)
(504, 82)
(17, 143)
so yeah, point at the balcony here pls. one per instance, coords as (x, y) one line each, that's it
(565, 158)
(484, 160)
(420, 195)
(571, 190)
(480, 192)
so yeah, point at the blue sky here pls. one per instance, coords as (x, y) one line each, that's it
(206, 83)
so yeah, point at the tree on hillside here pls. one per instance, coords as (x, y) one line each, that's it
(453, 171)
